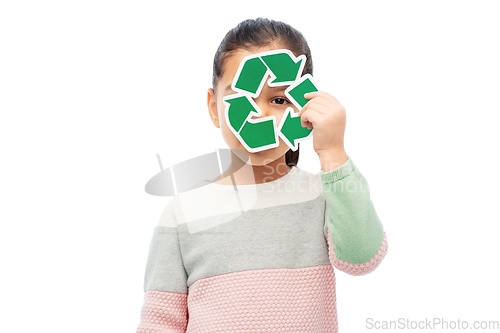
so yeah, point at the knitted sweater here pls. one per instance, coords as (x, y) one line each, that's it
(261, 257)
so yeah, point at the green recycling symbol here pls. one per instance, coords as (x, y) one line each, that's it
(261, 134)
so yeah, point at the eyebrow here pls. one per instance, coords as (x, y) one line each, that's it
(279, 88)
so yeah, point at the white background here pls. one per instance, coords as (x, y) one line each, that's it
(91, 91)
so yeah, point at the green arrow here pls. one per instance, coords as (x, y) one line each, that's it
(283, 67)
(251, 75)
(238, 110)
(297, 93)
(258, 134)
(292, 130)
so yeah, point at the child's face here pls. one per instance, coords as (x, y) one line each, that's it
(271, 101)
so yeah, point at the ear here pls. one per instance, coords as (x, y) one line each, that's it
(212, 107)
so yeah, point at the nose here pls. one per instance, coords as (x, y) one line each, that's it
(264, 112)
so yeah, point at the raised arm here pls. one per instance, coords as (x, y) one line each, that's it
(356, 239)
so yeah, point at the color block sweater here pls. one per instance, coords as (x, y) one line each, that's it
(261, 257)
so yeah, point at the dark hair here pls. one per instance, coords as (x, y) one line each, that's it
(258, 33)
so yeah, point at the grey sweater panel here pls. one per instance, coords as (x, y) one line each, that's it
(287, 236)
(164, 268)
(280, 235)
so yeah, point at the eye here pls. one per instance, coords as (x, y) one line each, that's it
(279, 100)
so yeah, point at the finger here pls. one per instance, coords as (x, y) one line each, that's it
(311, 116)
(323, 98)
(312, 105)
(322, 101)
(322, 94)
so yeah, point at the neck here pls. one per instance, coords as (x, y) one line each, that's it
(241, 173)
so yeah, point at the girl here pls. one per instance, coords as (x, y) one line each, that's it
(255, 249)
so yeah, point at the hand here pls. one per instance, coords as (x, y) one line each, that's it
(327, 117)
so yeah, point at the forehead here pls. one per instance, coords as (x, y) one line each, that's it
(233, 60)
(232, 64)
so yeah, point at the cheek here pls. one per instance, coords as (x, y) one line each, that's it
(227, 134)
(230, 139)
(279, 115)
(294, 108)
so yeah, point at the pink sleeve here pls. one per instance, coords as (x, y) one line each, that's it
(163, 312)
(357, 269)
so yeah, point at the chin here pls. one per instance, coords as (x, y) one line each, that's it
(259, 158)
(265, 157)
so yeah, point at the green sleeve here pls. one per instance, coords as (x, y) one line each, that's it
(356, 230)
